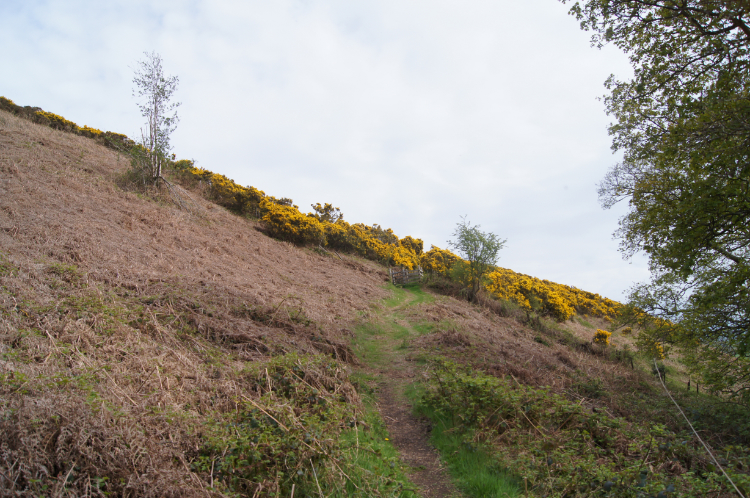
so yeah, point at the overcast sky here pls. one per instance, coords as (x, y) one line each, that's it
(408, 114)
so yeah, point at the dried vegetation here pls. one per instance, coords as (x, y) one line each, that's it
(127, 323)
(158, 348)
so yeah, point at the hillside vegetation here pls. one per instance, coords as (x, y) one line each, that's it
(160, 343)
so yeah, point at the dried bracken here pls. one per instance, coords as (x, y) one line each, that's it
(127, 323)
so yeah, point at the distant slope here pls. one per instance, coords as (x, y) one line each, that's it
(284, 221)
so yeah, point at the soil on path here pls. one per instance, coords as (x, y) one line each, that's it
(408, 433)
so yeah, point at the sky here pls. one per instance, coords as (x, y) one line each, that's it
(408, 114)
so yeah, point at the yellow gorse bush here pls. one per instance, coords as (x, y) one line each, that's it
(438, 261)
(108, 139)
(414, 245)
(371, 242)
(224, 191)
(557, 300)
(602, 337)
(532, 294)
(286, 222)
(57, 122)
(404, 256)
(91, 132)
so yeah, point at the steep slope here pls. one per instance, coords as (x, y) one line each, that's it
(158, 348)
(127, 322)
(59, 201)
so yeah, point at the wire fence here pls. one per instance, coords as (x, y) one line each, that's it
(705, 446)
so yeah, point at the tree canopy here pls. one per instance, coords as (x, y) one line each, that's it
(480, 249)
(683, 124)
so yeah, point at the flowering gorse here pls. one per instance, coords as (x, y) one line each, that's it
(602, 337)
(109, 139)
(557, 300)
(438, 261)
(327, 228)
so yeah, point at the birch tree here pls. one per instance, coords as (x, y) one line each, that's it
(154, 91)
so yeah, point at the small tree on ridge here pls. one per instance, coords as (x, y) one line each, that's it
(155, 91)
(479, 249)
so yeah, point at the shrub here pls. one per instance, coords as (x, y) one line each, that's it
(57, 122)
(438, 261)
(371, 242)
(91, 132)
(556, 300)
(340, 236)
(296, 437)
(326, 212)
(402, 256)
(8, 105)
(284, 220)
(183, 165)
(109, 139)
(602, 337)
(287, 223)
(414, 245)
(116, 141)
(561, 448)
(220, 189)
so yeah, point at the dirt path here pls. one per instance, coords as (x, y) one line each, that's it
(409, 434)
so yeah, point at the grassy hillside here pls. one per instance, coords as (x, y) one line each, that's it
(132, 331)
(156, 348)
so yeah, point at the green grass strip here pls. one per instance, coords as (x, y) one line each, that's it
(473, 470)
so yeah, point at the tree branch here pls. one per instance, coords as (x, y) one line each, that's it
(728, 254)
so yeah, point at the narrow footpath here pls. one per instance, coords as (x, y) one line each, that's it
(381, 346)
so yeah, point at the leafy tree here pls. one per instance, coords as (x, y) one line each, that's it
(480, 252)
(683, 123)
(155, 91)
